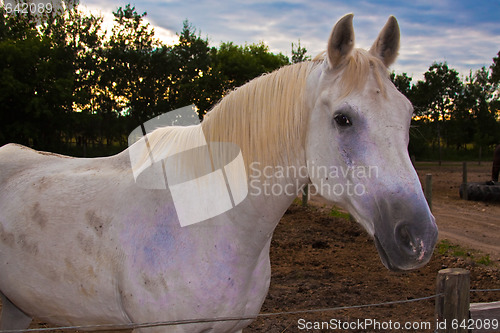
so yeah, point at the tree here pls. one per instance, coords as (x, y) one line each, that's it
(240, 64)
(418, 129)
(82, 38)
(495, 81)
(402, 83)
(192, 75)
(127, 57)
(434, 98)
(461, 124)
(36, 79)
(479, 91)
(299, 54)
(495, 69)
(85, 36)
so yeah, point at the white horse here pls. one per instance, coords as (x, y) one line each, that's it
(82, 244)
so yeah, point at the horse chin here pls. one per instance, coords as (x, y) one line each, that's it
(384, 257)
(390, 264)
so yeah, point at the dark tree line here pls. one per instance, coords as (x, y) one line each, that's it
(451, 113)
(65, 82)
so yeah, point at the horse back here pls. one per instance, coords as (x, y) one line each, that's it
(29, 177)
(18, 160)
(56, 219)
(14, 159)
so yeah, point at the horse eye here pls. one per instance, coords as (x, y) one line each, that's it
(342, 120)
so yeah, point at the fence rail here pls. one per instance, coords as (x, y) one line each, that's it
(482, 312)
(113, 327)
(452, 306)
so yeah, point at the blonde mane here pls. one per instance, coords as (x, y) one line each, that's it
(267, 117)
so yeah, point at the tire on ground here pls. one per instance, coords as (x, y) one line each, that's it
(481, 192)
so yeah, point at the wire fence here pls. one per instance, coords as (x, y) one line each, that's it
(131, 326)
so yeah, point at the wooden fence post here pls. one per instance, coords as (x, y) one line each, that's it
(464, 181)
(305, 194)
(428, 190)
(452, 308)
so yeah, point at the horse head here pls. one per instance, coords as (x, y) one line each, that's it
(356, 147)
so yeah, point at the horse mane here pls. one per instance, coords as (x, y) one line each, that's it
(268, 117)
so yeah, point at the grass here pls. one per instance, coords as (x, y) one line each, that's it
(484, 260)
(444, 247)
(335, 212)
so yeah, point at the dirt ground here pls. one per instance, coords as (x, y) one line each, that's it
(468, 223)
(320, 261)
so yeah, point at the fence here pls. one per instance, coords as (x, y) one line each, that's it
(453, 311)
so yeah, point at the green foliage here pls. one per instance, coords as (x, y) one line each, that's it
(299, 54)
(129, 83)
(451, 113)
(36, 81)
(477, 97)
(485, 260)
(335, 212)
(435, 95)
(402, 83)
(192, 77)
(63, 79)
(66, 80)
(237, 65)
(444, 247)
(495, 70)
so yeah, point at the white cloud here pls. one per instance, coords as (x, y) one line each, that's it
(105, 10)
(463, 50)
(451, 31)
(166, 36)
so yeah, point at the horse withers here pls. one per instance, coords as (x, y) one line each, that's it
(81, 243)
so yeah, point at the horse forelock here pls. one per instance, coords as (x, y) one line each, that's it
(355, 70)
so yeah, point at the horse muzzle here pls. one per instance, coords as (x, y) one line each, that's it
(410, 245)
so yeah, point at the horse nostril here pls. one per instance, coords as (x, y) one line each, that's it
(405, 240)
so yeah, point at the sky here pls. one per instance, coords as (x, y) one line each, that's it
(464, 33)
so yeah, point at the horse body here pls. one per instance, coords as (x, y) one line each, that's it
(105, 251)
(56, 230)
(81, 243)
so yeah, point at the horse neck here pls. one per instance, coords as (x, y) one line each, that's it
(267, 119)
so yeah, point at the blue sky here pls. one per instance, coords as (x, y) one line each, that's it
(464, 33)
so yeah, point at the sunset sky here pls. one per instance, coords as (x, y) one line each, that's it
(465, 34)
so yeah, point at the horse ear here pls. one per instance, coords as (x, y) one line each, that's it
(341, 41)
(386, 46)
